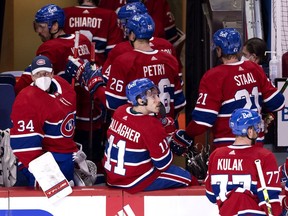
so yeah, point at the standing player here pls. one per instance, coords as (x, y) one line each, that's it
(136, 157)
(159, 10)
(57, 45)
(99, 23)
(144, 61)
(233, 181)
(124, 13)
(234, 84)
(43, 116)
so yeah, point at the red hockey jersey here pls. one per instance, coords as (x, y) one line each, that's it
(227, 87)
(125, 46)
(160, 67)
(43, 122)
(233, 183)
(135, 154)
(100, 23)
(159, 10)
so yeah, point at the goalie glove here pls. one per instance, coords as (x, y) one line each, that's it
(180, 142)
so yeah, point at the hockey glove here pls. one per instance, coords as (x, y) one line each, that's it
(268, 118)
(92, 79)
(169, 125)
(283, 173)
(197, 162)
(284, 207)
(180, 142)
(75, 68)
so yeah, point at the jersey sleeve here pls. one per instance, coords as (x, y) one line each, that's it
(115, 89)
(273, 99)
(158, 146)
(271, 177)
(208, 102)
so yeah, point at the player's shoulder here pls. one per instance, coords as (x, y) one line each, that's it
(262, 152)
(126, 57)
(161, 41)
(121, 47)
(30, 95)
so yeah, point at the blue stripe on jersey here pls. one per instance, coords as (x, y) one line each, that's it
(52, 129)
(211, 196)
(100, 44)
(131, 157)
(205, 117)
(163, 162)
(22, 142)
(179, 99)
(273, 194)
(274, 103)
(229, 107)
(114, 101)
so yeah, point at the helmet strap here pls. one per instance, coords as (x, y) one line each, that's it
(253, 140)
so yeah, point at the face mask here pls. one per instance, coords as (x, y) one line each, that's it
(243, 58)
(43, 82)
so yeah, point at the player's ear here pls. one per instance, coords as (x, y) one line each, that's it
(54, 28)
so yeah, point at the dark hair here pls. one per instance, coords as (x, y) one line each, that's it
(96, 2)
(258, 47)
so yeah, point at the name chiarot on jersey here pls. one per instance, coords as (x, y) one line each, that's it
(89, 22)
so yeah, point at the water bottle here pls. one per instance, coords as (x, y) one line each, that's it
(274, 68)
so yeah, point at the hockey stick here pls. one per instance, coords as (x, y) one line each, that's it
(93, 65)
(75, 54)
(263, 185)
(284, 86)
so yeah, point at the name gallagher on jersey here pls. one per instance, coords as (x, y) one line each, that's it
(91, 22)
(124, 131)
(229, 164)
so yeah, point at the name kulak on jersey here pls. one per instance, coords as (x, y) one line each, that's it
(230, 164)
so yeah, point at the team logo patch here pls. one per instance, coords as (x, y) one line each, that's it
(41, 62)
(68, 125)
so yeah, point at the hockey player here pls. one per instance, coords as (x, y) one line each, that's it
(159, 10)
(144, 61)
(124, 13)
(234, 84)
(57, 45)
(233, 181)
(136, 157)
(43, 117)
(100, 24)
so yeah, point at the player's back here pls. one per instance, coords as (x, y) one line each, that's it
(58, 50)
(156, 43)
(233, 181)
(99, 23)
(160, 67)
(118, 50)
(230, 86)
